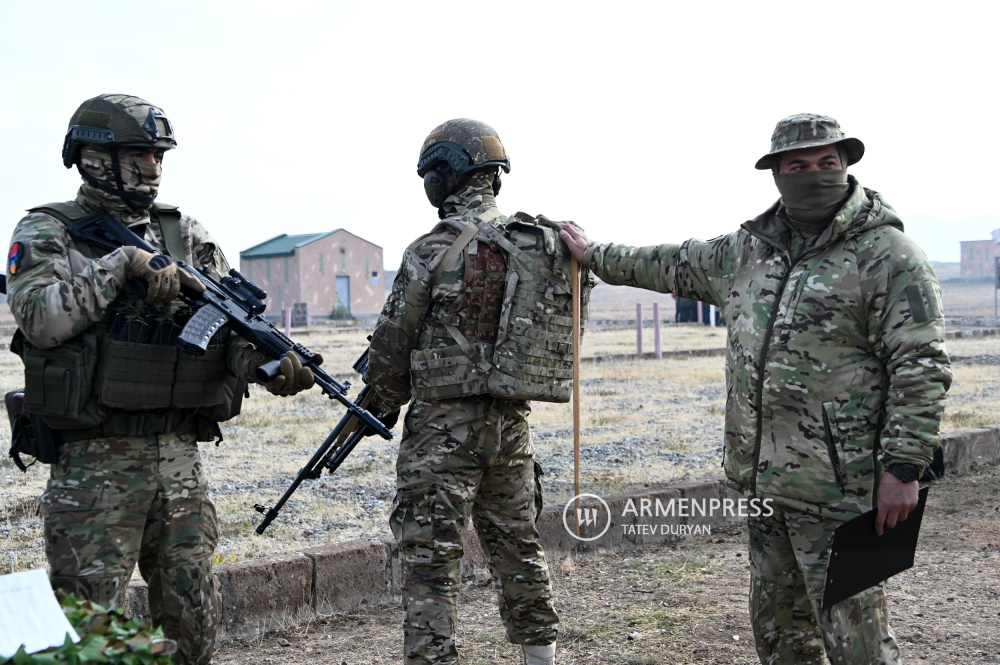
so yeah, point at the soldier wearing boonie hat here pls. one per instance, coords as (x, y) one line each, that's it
(836, 378)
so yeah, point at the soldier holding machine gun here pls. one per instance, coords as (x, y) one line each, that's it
(125, 377)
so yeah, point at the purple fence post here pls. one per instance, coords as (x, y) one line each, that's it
(638, 328)
(656, 331)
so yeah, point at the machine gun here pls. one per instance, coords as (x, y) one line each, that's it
(332, 453)
(233, 301)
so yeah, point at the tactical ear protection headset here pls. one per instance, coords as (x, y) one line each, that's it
(465, 146)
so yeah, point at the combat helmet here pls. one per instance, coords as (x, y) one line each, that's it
(110, 121)
(808, 130)
(465, 145)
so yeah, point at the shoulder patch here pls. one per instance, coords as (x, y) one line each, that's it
(15, 257)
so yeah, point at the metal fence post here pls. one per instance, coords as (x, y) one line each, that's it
(638, 328)
(658, 351)
(286, 319)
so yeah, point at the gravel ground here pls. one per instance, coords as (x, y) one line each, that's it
(688, 604)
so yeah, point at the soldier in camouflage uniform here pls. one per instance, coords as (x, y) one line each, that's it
(128, 485)
(464, 454)
(836, 375)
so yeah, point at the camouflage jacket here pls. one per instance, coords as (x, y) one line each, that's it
(836, 358)
(61, 288)
(410, 318)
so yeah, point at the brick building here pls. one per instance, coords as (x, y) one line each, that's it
(321, 269)
(979, 257)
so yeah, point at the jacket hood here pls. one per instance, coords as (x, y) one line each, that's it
(863, 210)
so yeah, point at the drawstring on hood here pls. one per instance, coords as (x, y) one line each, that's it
(124, 186)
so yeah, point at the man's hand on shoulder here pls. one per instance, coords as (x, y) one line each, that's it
(895, 501)
(575, 239)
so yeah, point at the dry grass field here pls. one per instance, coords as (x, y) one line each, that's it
(645, 423)
(687, 603)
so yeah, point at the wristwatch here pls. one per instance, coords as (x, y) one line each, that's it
(906, 473)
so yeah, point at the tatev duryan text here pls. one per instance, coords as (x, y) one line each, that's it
(690, 508)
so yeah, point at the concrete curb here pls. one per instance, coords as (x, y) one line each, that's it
(273, 592)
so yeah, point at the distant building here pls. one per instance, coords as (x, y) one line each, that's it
(322, 269)
(979, 257)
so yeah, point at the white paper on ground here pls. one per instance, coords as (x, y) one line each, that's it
(30, 614)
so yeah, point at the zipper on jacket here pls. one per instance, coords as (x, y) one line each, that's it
(767, 343)
(831, 447)
(759, 399)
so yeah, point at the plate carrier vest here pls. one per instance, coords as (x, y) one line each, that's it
(97, 384)
(518, 345)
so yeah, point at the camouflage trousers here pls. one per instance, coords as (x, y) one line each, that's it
(460, 460)
(788, 557)
(115, 501)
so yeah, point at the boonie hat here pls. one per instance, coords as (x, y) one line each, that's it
(808, 130)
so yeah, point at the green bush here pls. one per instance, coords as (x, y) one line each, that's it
(106, 636)
(340, 312)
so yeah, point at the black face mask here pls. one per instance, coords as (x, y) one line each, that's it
(812, 198)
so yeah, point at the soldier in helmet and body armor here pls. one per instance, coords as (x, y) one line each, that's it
(836, 377)
(447, 338)
(126, 408)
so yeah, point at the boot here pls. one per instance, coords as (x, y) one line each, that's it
(535, 654)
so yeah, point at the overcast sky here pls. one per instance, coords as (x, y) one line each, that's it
(640, 121)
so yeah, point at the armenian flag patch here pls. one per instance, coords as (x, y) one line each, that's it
(14, 257)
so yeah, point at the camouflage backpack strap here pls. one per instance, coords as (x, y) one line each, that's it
(468, 234)
(457, 247)
(169, 218)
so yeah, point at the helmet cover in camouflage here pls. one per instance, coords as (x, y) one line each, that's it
(465, 145)
(808, 130)
(116, 120)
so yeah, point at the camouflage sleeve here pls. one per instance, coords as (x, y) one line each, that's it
(398, 329)
(205, 251)
(54, 292)
(906, 330)
(697, 269)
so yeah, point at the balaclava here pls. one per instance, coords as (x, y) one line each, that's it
(141, 181)
(477, 191)
(811, 199)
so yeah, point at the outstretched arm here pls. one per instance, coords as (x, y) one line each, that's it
(694, 269)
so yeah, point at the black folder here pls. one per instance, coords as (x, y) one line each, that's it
(860, 558)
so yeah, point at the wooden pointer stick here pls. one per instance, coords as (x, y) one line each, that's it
(576, 389)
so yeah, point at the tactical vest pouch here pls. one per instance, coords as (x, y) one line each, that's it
(59, 381)
(136, 377)
(234, 390)
(201, 380)
(29, 435)
(448, 372)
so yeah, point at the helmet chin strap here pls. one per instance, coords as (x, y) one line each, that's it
(134, 201)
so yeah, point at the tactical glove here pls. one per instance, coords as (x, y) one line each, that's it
(381, 411)
(293, 379)
(162, 276)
